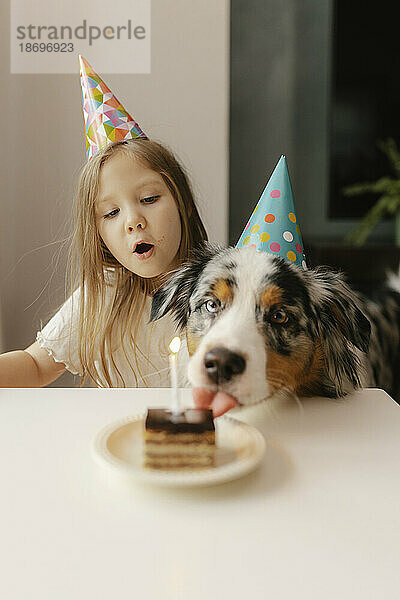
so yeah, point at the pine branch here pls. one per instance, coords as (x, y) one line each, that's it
(360, 233)
(389, 147)
(387, 204)
(375, 187)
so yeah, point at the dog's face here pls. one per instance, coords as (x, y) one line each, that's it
(256, 324)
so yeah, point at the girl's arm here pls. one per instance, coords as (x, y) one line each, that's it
(32, 367)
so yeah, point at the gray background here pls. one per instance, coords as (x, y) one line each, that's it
(279, 104)
(183, 103)
(278, 66)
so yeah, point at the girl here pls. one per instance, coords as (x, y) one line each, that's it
(135, 220)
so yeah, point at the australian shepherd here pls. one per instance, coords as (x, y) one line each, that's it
(257, 325)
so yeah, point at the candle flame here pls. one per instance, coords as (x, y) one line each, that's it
(175, 345)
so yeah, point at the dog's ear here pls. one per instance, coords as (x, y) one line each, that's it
(174, 295)
(340, 325)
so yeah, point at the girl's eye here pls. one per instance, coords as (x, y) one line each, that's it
(112, 213)
(212, 306)
(279, 317)
(149, 199)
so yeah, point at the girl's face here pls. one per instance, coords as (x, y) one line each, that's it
(137, 217)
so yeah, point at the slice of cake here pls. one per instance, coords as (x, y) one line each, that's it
(185, 440)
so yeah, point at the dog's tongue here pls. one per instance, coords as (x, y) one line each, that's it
(218, 401)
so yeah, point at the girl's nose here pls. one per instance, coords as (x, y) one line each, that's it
(133, 223)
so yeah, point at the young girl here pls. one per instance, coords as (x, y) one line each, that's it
(135, 220)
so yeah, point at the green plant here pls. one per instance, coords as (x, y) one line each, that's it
(388, 203)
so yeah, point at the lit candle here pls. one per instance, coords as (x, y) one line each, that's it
(174, 347)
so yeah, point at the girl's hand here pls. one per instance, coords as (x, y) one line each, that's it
(32, 367)
(219, 402)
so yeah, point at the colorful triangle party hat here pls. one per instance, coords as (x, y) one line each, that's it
(106, 120)
(273, 226)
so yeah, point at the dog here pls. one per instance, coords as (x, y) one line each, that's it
(257, 325)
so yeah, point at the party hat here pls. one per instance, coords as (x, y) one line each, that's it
(273, 226)
(106, 120)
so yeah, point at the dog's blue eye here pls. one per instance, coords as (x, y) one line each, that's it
(212, 306)
(279, 317)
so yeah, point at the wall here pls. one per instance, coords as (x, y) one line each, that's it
(280, 90)
(183, 102)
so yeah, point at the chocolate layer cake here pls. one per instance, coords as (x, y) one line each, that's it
(179, 441)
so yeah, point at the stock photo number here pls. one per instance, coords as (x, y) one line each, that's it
(46, 47)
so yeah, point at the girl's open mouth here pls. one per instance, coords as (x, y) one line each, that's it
(144, 250)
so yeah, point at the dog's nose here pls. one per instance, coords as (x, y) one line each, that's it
(221, 364)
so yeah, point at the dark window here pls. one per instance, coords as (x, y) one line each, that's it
(365, 97)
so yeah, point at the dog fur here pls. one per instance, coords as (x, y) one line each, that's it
(283, 329)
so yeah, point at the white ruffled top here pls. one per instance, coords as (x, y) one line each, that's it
(60, 338)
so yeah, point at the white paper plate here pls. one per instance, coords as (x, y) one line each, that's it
(240, 449)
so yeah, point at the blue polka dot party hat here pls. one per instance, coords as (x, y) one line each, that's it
(273, 226)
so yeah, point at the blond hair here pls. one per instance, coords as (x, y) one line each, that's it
(94, 268)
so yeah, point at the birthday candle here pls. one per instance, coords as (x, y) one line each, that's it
(173, 359)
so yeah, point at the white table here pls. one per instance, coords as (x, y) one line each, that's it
(319, 520)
